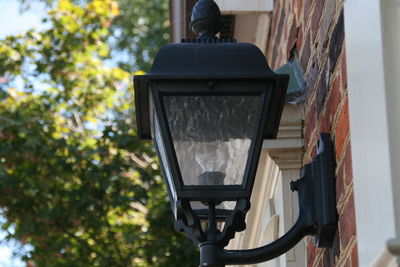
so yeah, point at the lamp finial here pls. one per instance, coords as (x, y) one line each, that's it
(206, 19)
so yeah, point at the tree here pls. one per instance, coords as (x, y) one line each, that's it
(136, 33)
(76, 182)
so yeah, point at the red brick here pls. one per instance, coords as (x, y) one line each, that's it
(299, 40)
(310, 125)
(275, 16)
(332, 104)
(305, 55)
(277, 37)
(298, 9)
(347, 226)
(318, 263)
(316, 18)
(348, 166)
(274, 42)
(324, 125)
(342, 129)
(280, 26)
(327, 19)
(306, 10)
(322, 89)
(311, 79)
(336, 42)
(327, 62)
(344, 70)
(336, 85)
(279, 61)
(312, 252)
(340, 182)
(329, 109)
(292, 39)
(313, 149)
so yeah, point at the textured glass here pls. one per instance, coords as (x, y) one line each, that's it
(226, 205)
(212, 136)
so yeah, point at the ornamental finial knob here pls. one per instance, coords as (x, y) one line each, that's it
(206, 19)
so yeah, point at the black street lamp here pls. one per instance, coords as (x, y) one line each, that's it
(208, 104)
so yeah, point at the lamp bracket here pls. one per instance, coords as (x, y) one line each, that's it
(235, 222)
(317, 216)
(188, 222)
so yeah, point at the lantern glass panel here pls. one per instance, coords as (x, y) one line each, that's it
(163, 157)
(212, 135)
(226, 205)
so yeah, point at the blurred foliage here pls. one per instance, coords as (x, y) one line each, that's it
(135, 34)
(76, 183)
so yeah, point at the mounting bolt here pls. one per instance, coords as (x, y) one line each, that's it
(211, 85)
(294, 185)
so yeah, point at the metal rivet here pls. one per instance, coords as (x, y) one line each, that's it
(211, 85)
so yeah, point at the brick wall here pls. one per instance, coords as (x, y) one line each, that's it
(312, 32)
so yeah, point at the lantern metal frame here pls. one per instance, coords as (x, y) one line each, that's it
(209, 66)
(228, 88)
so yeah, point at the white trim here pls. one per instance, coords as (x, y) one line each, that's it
(375, 218)
(253, 28)
(241, 6)
(384, 259)
(287, 207)
(391, 42)
(286, 151)
(388, 255)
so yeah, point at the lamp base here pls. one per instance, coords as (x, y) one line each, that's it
(210, 254)
(212, 178)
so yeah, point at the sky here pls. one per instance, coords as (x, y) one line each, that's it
(13, 22)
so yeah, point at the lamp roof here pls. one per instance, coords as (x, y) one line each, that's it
(210, 58)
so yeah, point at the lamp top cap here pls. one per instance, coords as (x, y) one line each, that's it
(206, 19)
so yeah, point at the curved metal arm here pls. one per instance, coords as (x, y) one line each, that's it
(272, 250)
(305, 225)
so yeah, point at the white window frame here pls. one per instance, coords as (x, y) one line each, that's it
(274, 208)
(245, 6)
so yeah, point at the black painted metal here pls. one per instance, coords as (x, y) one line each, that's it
(324, 192)
(188, 222)
(206, 19)
(227, 26)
